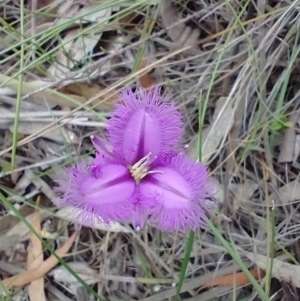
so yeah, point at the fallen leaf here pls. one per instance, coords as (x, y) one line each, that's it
(281, 270)
(8, 221)
(296, 149)
(112, 46)
(181, 34)
(6, 183)
(35, 259)
(29, 276)
(217, 191)
(242, 192)
(236, 279)
(84, 91)
(74, 50)
(71, 214)
(82, 269)
(53, 98)
(39, 28)
(19, 229)
(85, 12)
(145, 80)
(216, 133)
(40, 3)
(78, 43)
(60, 134)
(287, 147)
(129, 21)
(10, 87)
(286, 194)
(16, 230)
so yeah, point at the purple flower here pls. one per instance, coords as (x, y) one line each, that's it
(144, 123)
(138, 173)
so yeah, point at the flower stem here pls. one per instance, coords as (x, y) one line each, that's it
(186, 259)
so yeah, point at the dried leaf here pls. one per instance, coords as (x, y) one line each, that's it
(70, 214)
(60, 134)
(41, 3)
(38, 29)
(237, 279)
(114, 45)
(296, 149)
(11, 88)
(8, 221)
(86, 12)
(181, 34)
(83, 91)
(242, 192)
(44, 268)
(218, 191)
(77, 44)
(74, 49)
(216, 133)
(288, 146)
(129, 22)
(35, 259)
(281, 270)
(53, 99)
(82, 269)
(20, 229)
(286, 194)
(145, 80)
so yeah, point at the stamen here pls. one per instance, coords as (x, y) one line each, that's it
(142, 163)
(140, 169)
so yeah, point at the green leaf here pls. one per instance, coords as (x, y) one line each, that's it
(280, 124)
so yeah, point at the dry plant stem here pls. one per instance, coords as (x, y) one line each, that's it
(59, 122)
(48, 114)
(233, 145)
(111, 89)
(251, 213)
(182, 35)
(44, 268)
(226, 83)
(233, 135)
(287, 149)
(98, 64)
(262, 79)
(153, 255)
(88, 69)
(34, 6)
(192, 283)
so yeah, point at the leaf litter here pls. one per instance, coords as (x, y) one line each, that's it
(36, 289)
(84, 53)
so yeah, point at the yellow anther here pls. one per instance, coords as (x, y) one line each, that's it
(141, 169)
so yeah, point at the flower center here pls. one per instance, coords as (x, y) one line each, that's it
(141, 169)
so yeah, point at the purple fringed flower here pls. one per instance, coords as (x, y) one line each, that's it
(138, 174)
(144, 123)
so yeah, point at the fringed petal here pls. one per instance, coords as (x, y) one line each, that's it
(144, 123)
(105, 192)
(177, 193)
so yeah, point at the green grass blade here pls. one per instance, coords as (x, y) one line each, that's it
(19, 93)
(46, 246)
(234, 254)
(186, 259)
